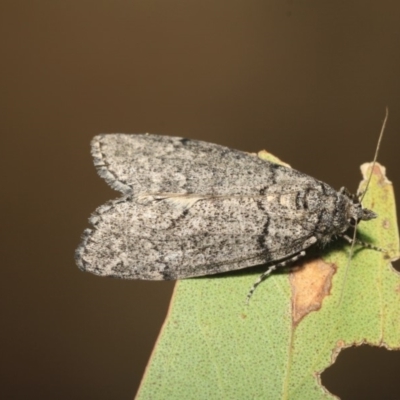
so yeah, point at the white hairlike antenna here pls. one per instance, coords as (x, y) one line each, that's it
(376, 154)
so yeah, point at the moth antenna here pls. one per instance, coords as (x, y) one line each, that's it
(376, 154)
(353, 240)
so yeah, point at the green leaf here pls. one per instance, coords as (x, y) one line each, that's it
(214, 346)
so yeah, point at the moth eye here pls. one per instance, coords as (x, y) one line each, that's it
(353, 222)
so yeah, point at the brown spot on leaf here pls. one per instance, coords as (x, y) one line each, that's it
(309, 287)
(386, 223)
(379, 171)
(398, 289)
(340, 344)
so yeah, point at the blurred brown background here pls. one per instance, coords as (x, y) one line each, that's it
(308, 81)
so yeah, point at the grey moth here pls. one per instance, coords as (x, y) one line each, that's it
(190, 208)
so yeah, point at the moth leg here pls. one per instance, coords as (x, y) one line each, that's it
(271, 269)
(363, 244)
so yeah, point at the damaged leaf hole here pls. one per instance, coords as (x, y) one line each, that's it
(364, 372)
(396, 265)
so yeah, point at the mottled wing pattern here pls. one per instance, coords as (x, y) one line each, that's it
(159, 241)
(192, 208)
(163, 164)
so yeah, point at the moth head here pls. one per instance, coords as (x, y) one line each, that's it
(367, 215)
(358, 213)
